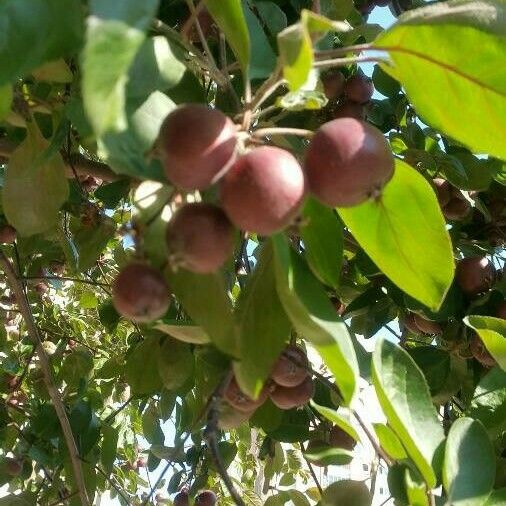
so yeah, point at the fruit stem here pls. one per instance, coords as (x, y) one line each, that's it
(264, 132)
(342, 51)
(341, 62)
(311, 469)
(267, 89)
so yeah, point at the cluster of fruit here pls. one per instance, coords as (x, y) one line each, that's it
(348, 98)
(261, 190)
(203, 498)
(453, 203)
(290, 385)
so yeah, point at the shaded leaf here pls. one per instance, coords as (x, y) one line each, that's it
(492, 332)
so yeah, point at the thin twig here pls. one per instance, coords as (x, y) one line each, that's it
(342, 62)
(265, 132)
(268, 87)
(311, 470)
(341, 51)
(113, 485)
(392, 331)
(60, 278)
(386, 500)
(118, 411)
(33, 332)
(64, 499)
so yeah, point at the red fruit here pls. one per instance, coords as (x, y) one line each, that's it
(289, 398)
(140, 293)
(338, 438)
(181, 499)
(480, 352)
(205, 498)
(350, 110)
(457, 208)
(359, 89)
(196, 145)
(200, 237)
(443, 191)
(347, 162)
(263, 190)
(141, 462)
(7, 234)
(501, 310)
(475, 275)
(240, 401)
(333, 85)
(427, 326)
(410, 324)
(290, 369)
(13, 467)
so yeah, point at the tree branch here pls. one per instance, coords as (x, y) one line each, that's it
(311, 470)
(33, 332)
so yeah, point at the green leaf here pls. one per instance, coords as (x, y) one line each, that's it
(469, 463)
(55, 71)
(34, 190)
(115, 32)
(88, 300)
(184, 332)
(416, 489)
(322, 235)
(314, 317)
(405, 399)
(346, 492)
(272, 16)
(175, 363)
(76, 366)
(384, 83)
(109, 448)
(390, 231)
(205, 300)
(492, 332)
(432, 46)
(298, 498)
(496, 498)
(489, 401)
(340, 417)
(263, 326)
(327, 455)
(40, 30)
(229, 16)
(389, 441)
(151, 429)
(141, 367)
(5, 100)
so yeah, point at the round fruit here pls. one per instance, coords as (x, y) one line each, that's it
(205, 498)
(359, 89)
(501, 310)
(475, 275)
(427, 326)
(140, 293)
(181, 499)
(294, 397)
(200, 237)
(333, 85)
(240, 401)
(316, 446)
(263, 190)
(196, 144)
(350, 110)
(13, 467)
(338, 438)
(7, 234)
(480, 352)
(443, 191)
(410, 324)
(456, 209)
(141, 462)
(347, 162)
(290, 369)
(230, 418)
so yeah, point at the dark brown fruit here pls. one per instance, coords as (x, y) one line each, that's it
(475, 275)
(427, 326)
(350, 110)
(207, 25)
(501, 310)
(13, 467)
(205, 498)
(263, 190)
(347, 162)
(316, 446)
(457, 208)
(57, 267)
(181, 499)
(7, 234)
(290, 369)
(289, 398)
(443, 191)
(141, 462)
(333, 85)
(480, 352)
(200, 237)
(140, 293)
(410, 324)
(196, 144)
(359, 89)
(338, 438)
(240, 401)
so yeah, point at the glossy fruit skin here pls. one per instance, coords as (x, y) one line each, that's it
(501, 310)
(333, 85)
(263, 190)
(347, 162)
(196, 144)
(427, 326)
(289, 398)
(338, 438)
(200, 237)
(475, 275)
(409, 322)
(359, 89)
(350, 110)
(457, 208)
(181, 499)
(240, 401)
(480, 352)
(7, 234)
(140, 293)
(205, 498)
(443, 191)
(290, 369)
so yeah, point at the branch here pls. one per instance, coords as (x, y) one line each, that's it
(33, 332)
(264, 132)
(113, 485)
(62, 278)
(211, 440)
(311, 470)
